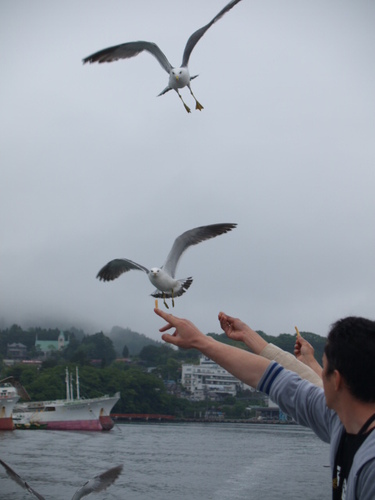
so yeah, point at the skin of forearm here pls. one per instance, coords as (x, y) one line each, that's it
(314, 365)
(254, 341)
(306, 355)
(244, 365)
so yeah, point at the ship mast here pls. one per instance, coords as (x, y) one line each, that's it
(77, 383)
(67, 384)
(71, 387)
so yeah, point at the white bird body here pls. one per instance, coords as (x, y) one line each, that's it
(178, 77)
(163, 278)
(163, 281)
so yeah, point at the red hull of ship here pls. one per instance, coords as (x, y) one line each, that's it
(103, 424)
(6, 424)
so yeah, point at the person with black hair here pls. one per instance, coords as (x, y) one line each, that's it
(342, 413)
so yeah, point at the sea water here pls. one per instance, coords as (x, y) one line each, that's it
(188, 461)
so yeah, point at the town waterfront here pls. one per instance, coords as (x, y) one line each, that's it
(165, 461)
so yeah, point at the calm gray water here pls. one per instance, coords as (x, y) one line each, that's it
(171, 461)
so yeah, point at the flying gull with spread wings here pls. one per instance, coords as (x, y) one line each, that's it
(178, 77)
(167, 286)
(94, 485)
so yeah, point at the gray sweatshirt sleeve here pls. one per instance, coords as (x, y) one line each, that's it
(302, 400)
(366, 482)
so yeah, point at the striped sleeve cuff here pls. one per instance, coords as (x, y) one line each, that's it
(268, 378)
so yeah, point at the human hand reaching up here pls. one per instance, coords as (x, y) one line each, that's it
(236, 329)
(186, 334)
(304, 352)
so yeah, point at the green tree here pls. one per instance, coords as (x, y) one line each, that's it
(99, 346)
(154, 355)
(171, 370)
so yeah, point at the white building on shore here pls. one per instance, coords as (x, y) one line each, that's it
(209, 380)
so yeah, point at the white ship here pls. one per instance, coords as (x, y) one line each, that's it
(67, 414)
(8, 399)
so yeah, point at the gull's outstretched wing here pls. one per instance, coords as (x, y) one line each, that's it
(98, 483)
(192, 237)
(116, 267)
(18, 479)
(197, 35)
(128, 50)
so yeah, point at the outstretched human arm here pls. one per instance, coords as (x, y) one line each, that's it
(304, 352)
(244, 365)
(236, 329)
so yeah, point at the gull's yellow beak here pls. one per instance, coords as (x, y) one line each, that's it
(177, 77)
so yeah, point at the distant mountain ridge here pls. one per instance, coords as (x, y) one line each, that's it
(134, 341)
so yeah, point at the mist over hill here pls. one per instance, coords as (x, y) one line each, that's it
(134, 341)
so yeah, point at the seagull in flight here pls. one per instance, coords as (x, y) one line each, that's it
(178, 77)
(98, 483)
(167, 286)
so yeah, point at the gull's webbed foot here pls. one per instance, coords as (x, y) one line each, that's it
(198, 105)
(183, 102)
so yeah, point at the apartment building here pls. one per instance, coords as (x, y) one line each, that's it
(209, 380)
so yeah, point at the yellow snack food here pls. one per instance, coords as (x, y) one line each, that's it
(297, 331)
(156, 304)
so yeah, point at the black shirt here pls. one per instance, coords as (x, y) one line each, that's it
(348, 447)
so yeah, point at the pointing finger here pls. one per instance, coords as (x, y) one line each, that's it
(168, 317)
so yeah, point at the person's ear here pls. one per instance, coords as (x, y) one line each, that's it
(338, 380)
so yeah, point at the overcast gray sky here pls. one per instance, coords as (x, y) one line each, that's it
(94, 166)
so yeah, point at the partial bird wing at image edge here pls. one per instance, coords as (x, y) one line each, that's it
(18, 479)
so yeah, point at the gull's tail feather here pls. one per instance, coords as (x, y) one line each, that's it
(185, 284)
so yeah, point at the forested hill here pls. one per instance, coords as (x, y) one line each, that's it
(134, 341)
